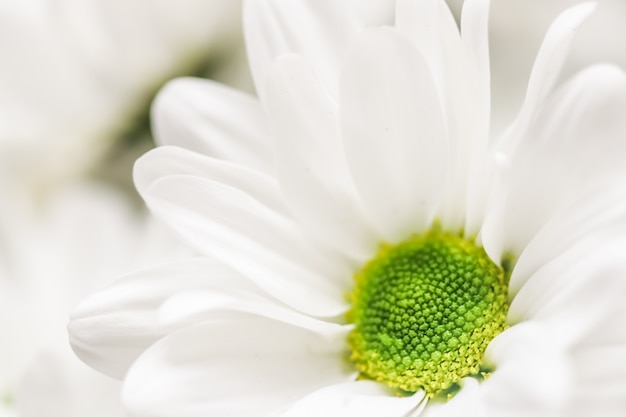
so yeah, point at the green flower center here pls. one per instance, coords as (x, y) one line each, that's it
(424, 312)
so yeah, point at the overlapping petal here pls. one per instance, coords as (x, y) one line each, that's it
(242, 366)
(228, 224)
(575, 143)
(204, 116)
(234, 214)
(547, 67)
(599, 212)
(394, 133)
(310, 160)
(110, 328)
(458, 67)
(578, 289)
(167, 161)
(319, 30)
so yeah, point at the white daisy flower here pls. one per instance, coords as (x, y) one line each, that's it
(369, 248)
(77, 75)
(49, 253)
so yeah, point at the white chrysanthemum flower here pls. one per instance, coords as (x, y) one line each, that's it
(77, 75)
(52, 255)
(369, 248)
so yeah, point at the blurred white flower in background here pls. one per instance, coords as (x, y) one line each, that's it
(77, 76)
(50, 257)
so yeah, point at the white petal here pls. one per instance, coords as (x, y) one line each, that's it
(533, 375)
(575, 143)
(457, 64)
(250, 367)
(169, 160)
(310, 160)
(474, 33)
(356, 399)
(320, 30)
(599, 212)
(431, 26)
(546, 69)
(206, 117)
(166, 162)
(394, 132)
(231, 225)
(222, 298)
(578, 290)
(110, 328)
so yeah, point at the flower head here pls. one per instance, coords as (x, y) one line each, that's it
(368, 246)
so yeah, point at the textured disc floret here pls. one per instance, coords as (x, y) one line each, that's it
(424, 312)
